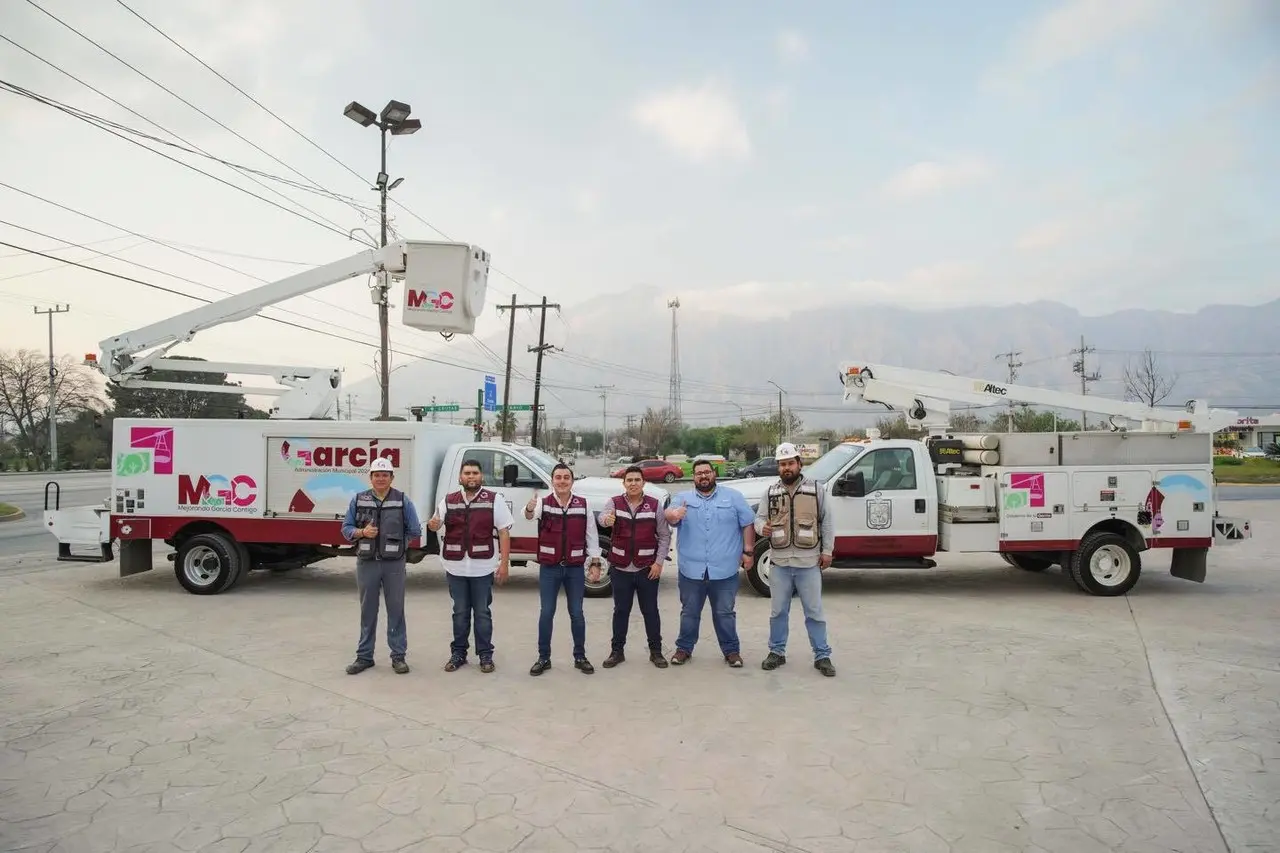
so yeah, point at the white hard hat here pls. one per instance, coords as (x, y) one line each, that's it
(382, 463)
(786, 450)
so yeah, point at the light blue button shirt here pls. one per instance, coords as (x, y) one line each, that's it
(709, 543)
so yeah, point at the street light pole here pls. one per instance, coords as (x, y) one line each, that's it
(394, 118)
(780, 421)
(53, 386)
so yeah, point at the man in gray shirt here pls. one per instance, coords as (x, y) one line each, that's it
(793, 517)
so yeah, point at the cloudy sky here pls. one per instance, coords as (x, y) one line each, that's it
(1104, 154)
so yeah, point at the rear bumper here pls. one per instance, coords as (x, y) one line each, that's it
(1228, 530)
(83, 533)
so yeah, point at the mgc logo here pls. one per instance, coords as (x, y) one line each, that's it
(430, 300)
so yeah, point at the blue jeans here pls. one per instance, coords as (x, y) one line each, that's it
(807, 582)
(385, 578)
(574, 581)
(472, 595)
(693, 597)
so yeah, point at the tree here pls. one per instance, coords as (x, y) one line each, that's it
(897, 428)
(966, 422)
(24, 396)
(1146, 382)
(164, 403)
(657, 427)
(505, 423)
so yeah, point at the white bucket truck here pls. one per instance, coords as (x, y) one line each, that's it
(229, 496)
(1092, 502)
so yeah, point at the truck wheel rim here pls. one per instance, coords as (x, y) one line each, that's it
(201, 566)
(600, 584)
(763, 564)
(1110, 565)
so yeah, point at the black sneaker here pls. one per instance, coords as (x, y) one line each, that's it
(656, 658)
(824, 666)
(540, 666)
(486, 664)
(399, 666)
(615, 657)
(455, 662)
(584, 666)
(773, 661)
(358, 666)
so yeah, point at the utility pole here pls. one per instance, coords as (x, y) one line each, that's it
(511, 336)
(782, 425)
(541, 348)
(1013, 374)
(479, 424)
(674, 389)
(604, 416)
(433, 408)
(53, 386)
(1085, 376)
(348, 407)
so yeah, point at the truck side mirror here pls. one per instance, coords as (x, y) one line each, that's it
(853, 485)
(510, 475)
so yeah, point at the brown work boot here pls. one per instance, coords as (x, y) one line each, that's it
(615, 657)
(656, 658)
(680, 657)
(734, 660)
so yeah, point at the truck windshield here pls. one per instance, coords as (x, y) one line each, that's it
(541, 459)
(830, 463)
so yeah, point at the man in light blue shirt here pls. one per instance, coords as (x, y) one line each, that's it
(716, 538)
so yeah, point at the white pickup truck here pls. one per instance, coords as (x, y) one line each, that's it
(234, 495)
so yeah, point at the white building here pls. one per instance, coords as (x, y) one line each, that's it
(1261, 431)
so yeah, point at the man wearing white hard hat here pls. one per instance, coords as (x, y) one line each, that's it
(793, 517)
(381, 521)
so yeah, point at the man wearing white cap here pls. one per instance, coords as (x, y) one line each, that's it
(381, 521)
(793, 517)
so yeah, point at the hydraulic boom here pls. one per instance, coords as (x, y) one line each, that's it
(305, 392)
(924, 397)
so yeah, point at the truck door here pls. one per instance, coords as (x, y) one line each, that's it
(524, 533)
(895, 517)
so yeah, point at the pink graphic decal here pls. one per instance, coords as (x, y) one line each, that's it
(159, 440)
(1032, 483)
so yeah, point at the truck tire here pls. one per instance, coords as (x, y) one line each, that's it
(758, 574)
(604, 587)
(1105, 564)
(245, 566)
(208, 563)
(1027, 562)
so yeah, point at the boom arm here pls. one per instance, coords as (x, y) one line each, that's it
(308, 392)
(924, 398)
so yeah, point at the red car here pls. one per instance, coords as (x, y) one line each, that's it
(654, 470)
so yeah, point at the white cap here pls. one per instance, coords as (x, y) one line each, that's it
(786, 450)
(382, 463)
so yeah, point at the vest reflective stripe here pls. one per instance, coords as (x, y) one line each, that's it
(634, 537)
(562, 532)
(468, 528)
(794, 520)
(388, 517)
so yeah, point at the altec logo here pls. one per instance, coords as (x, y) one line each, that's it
(302, 455)
(990, 388)
(217, 492)
(430, 300)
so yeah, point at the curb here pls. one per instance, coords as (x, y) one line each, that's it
(13, 516)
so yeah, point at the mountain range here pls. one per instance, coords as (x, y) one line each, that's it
(1226, 354)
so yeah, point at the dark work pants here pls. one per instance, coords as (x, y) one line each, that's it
(385, 577)
(574, 581)
(472, 596)
(635, 585)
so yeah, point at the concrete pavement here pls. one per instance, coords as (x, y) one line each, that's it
(978, 708)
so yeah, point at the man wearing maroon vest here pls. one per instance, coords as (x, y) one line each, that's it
(470, 517)
(567, 539)
(637, 550)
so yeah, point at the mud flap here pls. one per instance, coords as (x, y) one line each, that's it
(135, 556)
(1190, 564)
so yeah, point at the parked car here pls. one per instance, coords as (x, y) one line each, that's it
(1253, 453)
(765, 466)
(654, 470)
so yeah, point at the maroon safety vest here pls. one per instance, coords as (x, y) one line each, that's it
(468, 527)
(635, 538)
(562, 532)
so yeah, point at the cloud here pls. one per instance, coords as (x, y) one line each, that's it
(1047, 235)
(928, 177)
(700, 123)
(792, 46)
(744, 299)
(777, 99)
(1076, 28)
(586, 201)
